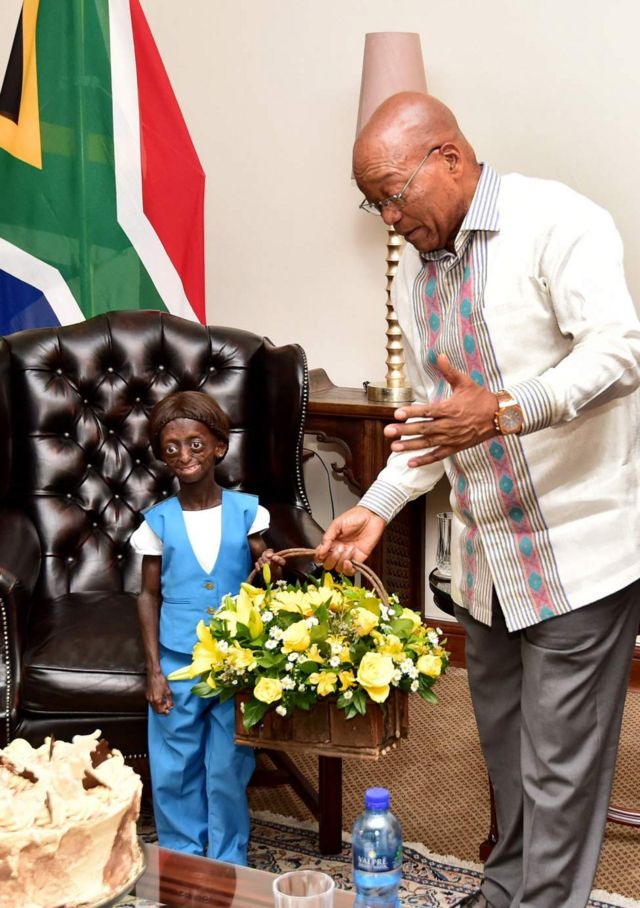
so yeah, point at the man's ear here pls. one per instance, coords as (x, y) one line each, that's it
(452, 156)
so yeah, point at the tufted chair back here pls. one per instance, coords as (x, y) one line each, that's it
(77, 470)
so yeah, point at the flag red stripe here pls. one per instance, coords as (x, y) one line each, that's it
(172, 176)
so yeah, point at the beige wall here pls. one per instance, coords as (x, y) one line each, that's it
(269, 89)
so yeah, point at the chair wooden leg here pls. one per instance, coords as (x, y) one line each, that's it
(330, 804)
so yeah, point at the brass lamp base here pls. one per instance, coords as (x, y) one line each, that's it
(378, 390)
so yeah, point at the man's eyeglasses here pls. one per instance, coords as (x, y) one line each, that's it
(397, 200)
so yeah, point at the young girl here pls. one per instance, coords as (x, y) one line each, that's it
(198, 546)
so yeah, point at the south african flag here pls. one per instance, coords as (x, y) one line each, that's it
(101, 190)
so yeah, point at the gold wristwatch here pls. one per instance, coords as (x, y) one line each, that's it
(508, 418)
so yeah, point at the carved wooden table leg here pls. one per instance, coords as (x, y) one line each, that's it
(330, 804)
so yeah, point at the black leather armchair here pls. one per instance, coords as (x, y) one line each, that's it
(75, 472)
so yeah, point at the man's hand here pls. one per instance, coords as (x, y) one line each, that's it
(159, 694)
(462, 421)
(352, 535)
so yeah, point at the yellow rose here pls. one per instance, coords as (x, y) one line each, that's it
(363, 621)
(296, 638)
(392, 646)
(347, 680)
(374, 674)
(429, 665)
(324, 681)
(268, 690)
(412, 616)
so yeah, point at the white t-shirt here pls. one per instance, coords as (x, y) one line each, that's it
(204, 529)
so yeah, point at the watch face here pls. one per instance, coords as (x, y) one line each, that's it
(510, 419)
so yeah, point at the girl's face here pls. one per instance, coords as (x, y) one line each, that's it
(190, 449)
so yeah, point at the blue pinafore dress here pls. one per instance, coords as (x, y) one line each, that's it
(198, 775)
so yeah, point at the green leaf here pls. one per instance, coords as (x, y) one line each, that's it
(226, 693)
(203, 690)
(401, 627)
(360, 701)
(308, 667)
(271, 660)
(254, 710)
(319, 632)
(428, 695)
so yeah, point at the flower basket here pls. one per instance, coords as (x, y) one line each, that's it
(321, 666)
(326, 731)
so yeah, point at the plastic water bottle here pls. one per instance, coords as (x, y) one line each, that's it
(377, 853)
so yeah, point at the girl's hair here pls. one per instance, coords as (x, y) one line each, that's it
(187, 405)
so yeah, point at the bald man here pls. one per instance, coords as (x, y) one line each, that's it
(523, 347)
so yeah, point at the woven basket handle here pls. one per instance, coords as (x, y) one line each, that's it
(372, 577)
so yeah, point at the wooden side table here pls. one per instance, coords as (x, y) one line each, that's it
(345, 418)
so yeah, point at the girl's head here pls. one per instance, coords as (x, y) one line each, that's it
(194, 405)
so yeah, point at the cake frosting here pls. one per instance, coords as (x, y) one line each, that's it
(68, 815)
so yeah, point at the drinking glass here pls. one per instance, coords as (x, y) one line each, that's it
(303, 889)
(443, 551)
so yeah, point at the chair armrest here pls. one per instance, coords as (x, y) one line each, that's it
(19, 568)
(20, 552)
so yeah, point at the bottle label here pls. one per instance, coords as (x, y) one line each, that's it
(374, 862)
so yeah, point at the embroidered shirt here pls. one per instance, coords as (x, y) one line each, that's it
(533, 300)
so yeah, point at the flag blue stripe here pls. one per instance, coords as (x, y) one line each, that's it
(23, 306)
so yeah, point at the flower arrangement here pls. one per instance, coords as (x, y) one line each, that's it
(290, 645)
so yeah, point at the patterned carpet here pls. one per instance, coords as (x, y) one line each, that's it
(279, 844)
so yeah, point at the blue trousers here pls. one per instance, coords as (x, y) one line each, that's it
(199, 776)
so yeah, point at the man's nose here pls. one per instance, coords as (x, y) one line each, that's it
(391, 215)
(184, 454)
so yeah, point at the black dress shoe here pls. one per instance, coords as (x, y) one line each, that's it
(474, 900)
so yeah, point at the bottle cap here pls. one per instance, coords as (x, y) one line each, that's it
(377, 799)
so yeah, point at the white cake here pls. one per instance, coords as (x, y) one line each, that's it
(67, 823)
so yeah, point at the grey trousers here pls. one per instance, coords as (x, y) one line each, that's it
(548, 702)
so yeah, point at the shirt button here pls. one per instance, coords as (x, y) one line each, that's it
(208, 586)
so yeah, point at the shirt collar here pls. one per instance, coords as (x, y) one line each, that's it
(483, 213)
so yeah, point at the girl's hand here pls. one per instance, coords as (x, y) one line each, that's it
(276, 563)
(159, 696)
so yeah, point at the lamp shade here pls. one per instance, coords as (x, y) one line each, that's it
(392, 63)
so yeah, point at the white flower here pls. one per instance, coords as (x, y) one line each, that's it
(384, 611)
(397, 675)
(334, 661)
(276, 633)
(267, 615)
(271, 644)
(288, 683)
(406, 665)
(281, 710)
(312, 621)
(369, 594)
(438, 630)
(348, 694)
(413, 672)
(223, 646)
(415, 685)
(301, 688)
(293, 657)
(242, 706)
